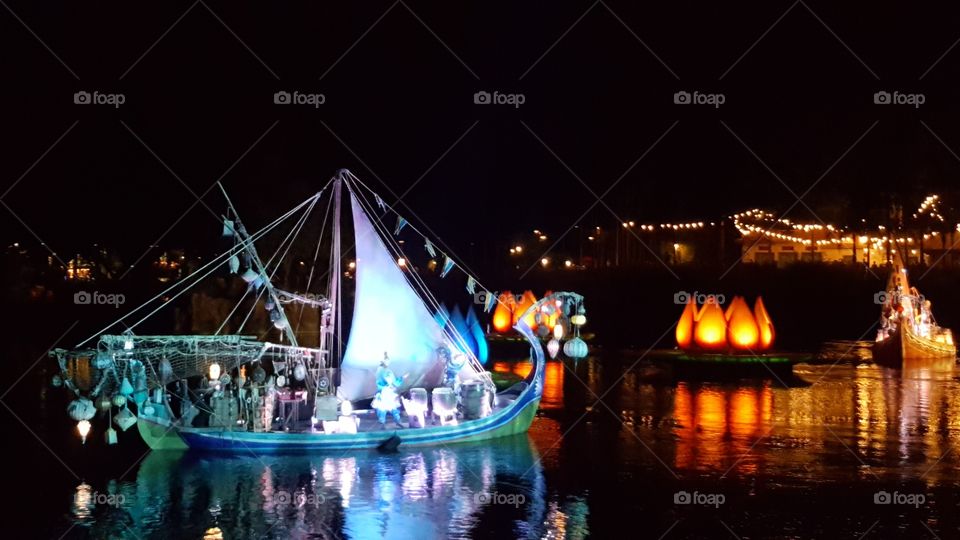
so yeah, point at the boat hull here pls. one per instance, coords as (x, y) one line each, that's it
(514, 420)
(905, 345)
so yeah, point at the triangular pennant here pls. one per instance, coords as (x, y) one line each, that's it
(471, 284)
(447, 266)
(401, 223)
(380, 203)
(429, 247)
(489, 302)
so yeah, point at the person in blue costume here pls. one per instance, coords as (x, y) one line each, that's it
(387, 398)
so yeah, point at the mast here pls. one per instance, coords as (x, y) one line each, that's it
(334, 327)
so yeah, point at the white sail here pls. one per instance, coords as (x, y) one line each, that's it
(389, 317)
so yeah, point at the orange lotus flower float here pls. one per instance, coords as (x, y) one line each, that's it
(738, 328)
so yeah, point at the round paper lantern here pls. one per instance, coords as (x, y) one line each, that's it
(578, 320)
(575, 348)
(104, 402)
(119, 400)
(81, 409)
(259, 375)
(553, 347)
(102, 361)
(300, 372)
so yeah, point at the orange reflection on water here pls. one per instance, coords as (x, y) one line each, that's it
(717, 427)
(552, 381)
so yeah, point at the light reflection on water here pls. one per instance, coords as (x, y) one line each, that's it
(851, 423)
(431, 493)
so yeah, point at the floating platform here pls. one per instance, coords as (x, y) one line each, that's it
(719, 366)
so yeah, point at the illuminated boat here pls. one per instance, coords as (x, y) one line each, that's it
(908, 330)
(239, 393)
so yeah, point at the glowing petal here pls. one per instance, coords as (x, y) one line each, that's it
(742, 331)
(685, 326)
(764, 323)
(710, 331)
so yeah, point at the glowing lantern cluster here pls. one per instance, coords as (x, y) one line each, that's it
(712, 329)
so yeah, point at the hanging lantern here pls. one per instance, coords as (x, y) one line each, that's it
(225, 379)
(166, 371)
(281, 381)
(128, 343)
(102, 360)
(104, 402)
(124, 419)
(83, 427)
(543, 330)
(57, 381)
(234, 264)
(553, 347)
(558, 331)
(214, 371)
(125, 387)
(110, 436)
(81, 409)
(249, 275)
(300, 372)
(575, 348)
(259, 375)
(578, 320)
(120, 400)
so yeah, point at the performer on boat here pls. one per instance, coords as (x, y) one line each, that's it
(387, 399)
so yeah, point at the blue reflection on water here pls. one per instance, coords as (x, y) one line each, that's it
(493, 488)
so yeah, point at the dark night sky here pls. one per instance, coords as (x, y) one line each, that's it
(403, 94)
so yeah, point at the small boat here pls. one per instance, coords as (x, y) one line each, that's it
(908, 330)
(243, 393)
